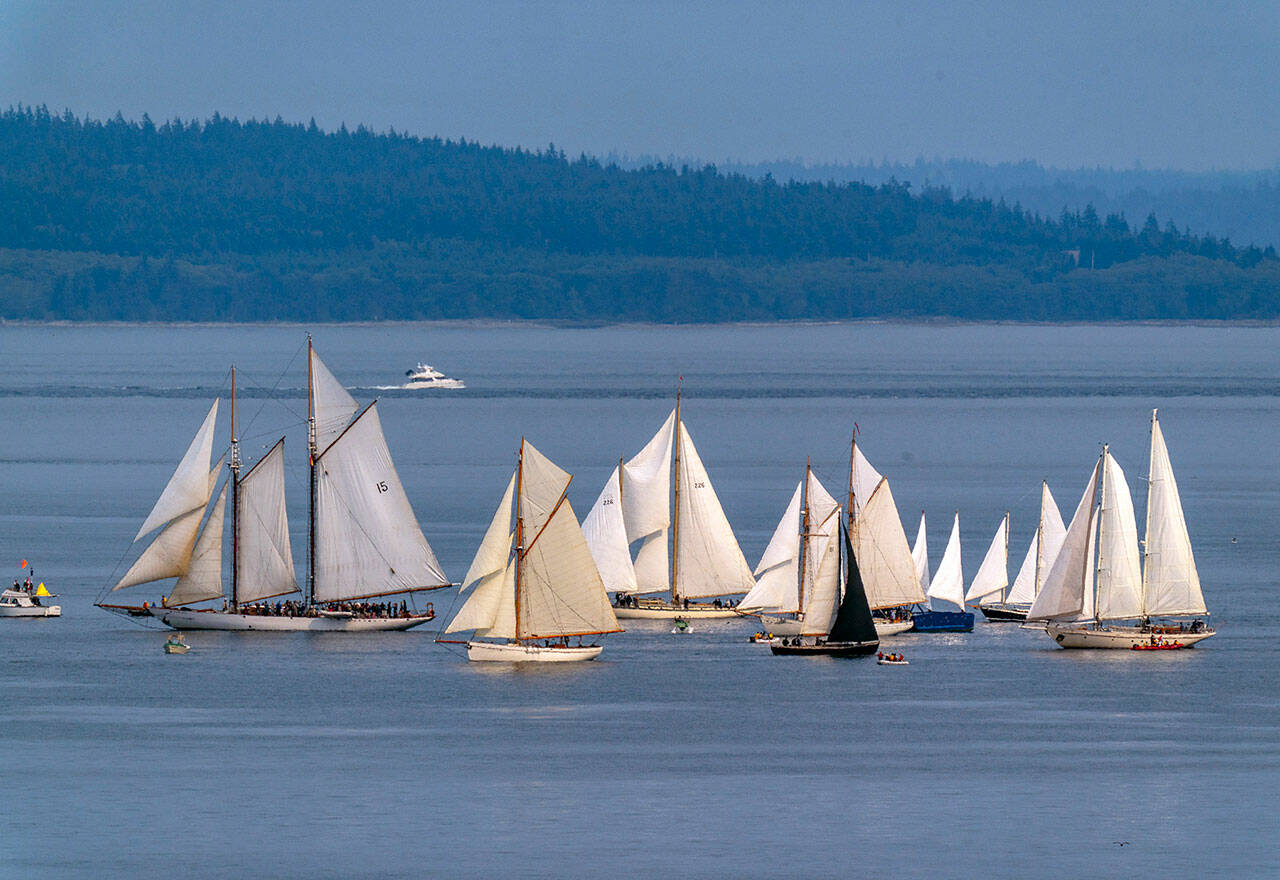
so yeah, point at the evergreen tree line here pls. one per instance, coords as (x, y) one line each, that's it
(257, 220)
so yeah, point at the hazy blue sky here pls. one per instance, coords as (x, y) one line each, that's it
(1178, 84)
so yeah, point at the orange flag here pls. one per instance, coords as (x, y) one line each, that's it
(24, 564)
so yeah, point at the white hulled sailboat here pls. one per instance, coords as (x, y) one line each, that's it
(1098, 578)
(788, 573)
(1035, 566)
(687, 546)
(534, 582)
(888, 568)
(363, 539)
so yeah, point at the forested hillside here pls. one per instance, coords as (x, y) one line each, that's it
(229, 220)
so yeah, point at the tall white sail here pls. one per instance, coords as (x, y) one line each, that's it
(1070, 579)
(1172, 584)
(710, 562)
(560, 591)
(993, 574)
(948, 580)
(368, 542)
(646, 485)
(824, 522)
(824, 595)
(1119, 580)
(264, 557)
(1052, 532)
(606, 533)
(333, 406)
(920, 554)
(865, 480)
(884, 558)
(168, 555)
(495, 548)
(779, 568)
(1023, 591)
(203, 578)
(490, 608)
(189, 488)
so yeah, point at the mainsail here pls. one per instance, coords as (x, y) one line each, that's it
(948, 581)
(824, 593)
(332, 406)
(884, 557)
(993, 574)
(368, 542)
(1119, 575)
(1171, 583)
(264, 559)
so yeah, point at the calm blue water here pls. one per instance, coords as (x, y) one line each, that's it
(995, 754)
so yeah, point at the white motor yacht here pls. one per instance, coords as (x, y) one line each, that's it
(20, 603)
(427, 376)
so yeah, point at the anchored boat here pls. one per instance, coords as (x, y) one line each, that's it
(1099, 579)
(837, 621)
(533, 586)
(364, 541)
(640, 504)
(789, 568)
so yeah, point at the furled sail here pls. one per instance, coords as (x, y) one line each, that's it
(948, 581)
(368, 542)
(560, 591)
(333, 406)
(709, 558)
(920, 554)
(606, 532)
(993, 574)
(779, 568)
(1119, 584)
(189, 488)
(1172, 584)
(853, 621)
(264, 557)
(884, 558)
(1070, 579)
(203, 578)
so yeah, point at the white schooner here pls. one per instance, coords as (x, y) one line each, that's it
(799, 561)
(890, 574)
(364, 541)
(533, 585)
(1098, 578)
(687, 547)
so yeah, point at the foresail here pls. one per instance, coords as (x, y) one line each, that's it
(1071, 577)
(368, 542)
(168, 555)
(920, 554)
(490, 606)
(606, 534)
(884, 558)
(709, 560)
(190, 486)
(646, 485)
(1052, 533)
(1172, 582)
(948, 581)
(1119, 589)
(333, 406)
(853, 621)
(495, 548)
(203, 578)
(993, 574)
(1024, 585)
(265, 558)
(777, 573)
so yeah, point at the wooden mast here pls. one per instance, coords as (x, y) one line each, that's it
(853, 450)
(1004, 593)
(1100, 496)
(519, 536)
(675, 527)
(804, 537)
(1146, 537)
(1035, 586)
(235, 500)
(311, 458)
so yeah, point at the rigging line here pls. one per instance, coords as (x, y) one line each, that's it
(275, 387)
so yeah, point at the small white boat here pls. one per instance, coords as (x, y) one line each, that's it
(427, 376)
(893, 627)
(20, 603)
(516, 652)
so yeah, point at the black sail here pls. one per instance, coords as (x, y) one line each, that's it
(853, 621)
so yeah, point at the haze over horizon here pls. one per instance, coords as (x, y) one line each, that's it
(1178, 86)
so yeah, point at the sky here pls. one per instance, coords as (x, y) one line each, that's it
(1188, 85)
